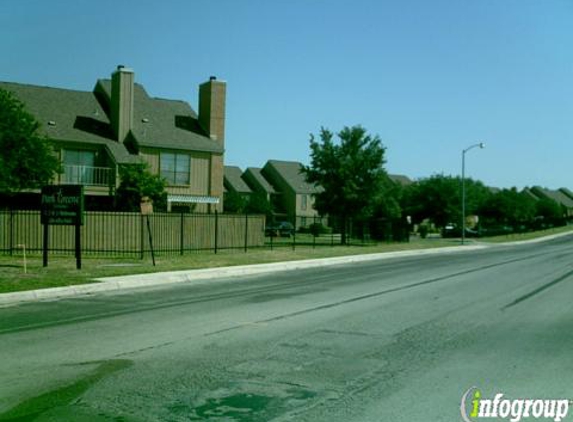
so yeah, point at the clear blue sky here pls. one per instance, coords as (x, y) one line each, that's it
(430, 77)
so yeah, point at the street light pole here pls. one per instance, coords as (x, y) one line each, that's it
(481, 145)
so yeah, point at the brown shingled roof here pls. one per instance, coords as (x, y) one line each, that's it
(68, 115)
(162, 123)
(233, 179)
(400, 179)
(556, 195)
(255, 174)
(290, 172)
(83, 116)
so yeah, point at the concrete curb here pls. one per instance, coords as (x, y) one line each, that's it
(163, 278)
(209, 274)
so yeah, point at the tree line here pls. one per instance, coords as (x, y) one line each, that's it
(357, 188)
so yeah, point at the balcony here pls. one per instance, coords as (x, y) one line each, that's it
(88, 176)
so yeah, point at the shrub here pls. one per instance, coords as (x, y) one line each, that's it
(316, 229)
(423, 230)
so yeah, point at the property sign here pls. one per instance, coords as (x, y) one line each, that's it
(62, 205)
(146, 206)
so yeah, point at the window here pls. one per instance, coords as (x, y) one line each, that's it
(303, 202)
(175, 168)
(79, 166)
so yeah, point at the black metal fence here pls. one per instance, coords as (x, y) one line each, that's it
(114, 233)
(322, 231)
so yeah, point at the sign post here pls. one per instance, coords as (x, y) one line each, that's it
(146, 210)
(45, 241)
(63, 205)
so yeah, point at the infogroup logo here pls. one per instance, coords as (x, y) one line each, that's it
(474, 407)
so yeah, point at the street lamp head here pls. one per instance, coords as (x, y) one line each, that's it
(481, 145)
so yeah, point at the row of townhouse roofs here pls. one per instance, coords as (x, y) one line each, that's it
(284, 186)
(118, 122)
(563, 196)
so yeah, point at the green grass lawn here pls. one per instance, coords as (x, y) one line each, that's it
(62, 271)
(526, 236)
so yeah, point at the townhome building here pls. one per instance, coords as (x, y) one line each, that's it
(296, 195)
(234, 183)
(119, 123)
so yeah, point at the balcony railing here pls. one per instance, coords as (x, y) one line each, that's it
(87, 175)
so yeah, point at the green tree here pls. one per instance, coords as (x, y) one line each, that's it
(439, 199)
(549, 211)
(136, 182)
(388, 205)
(508, 207)
(259, 204)
(254, 203)
(235, 203)
(351, 173)
(27, 160)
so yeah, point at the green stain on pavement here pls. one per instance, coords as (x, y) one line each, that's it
(243, 406)
(240, 407)
(32, 408)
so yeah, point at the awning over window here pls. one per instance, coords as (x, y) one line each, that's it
(192, 199)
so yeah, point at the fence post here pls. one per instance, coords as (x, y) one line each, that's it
(11, 230)
(141, 235)
(314, 232)
(46, 237)
(332, 235)
(294, 235)
(150, 239)
(216, 228)
(181, 235)
(246, 230)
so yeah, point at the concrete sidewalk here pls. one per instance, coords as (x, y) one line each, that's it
(209, 274)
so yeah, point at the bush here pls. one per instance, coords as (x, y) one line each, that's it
(316, 229)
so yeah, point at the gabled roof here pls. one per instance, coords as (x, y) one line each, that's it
(257, 181)
(556, 195)
(561, 198)
(400, 179)
(529, 192)
(567, 192)
(83, 117)
(233, 180)
(161, 123)
(68, 115)
(290, 173)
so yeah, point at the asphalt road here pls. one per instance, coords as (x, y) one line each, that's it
(394, 340)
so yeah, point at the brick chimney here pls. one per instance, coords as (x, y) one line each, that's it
(212, 96)
(122, 102)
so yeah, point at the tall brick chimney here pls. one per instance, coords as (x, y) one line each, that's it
(212, 96)
(122, 102)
